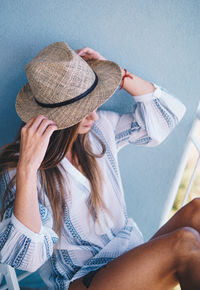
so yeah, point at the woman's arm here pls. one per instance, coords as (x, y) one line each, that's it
(153, 118)
(135, 86)
(34, 141)
(26, 234)
(20, 247)
(26, 208)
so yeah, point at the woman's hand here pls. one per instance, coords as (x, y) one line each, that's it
(35, 137)
(88, 53)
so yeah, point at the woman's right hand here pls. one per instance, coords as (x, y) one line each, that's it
(88, 53)
(35, 137)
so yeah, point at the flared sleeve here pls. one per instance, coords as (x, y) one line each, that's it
(153, 118)
(20, 247)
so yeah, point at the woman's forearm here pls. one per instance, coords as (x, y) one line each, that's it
(26, 207)
(35, 137)
(137, 86)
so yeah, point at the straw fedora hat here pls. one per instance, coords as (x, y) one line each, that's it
(64, 87)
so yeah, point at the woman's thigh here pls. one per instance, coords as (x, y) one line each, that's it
(149, 266)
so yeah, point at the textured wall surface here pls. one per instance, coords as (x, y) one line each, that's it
(158, 40)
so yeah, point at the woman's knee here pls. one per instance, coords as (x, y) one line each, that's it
(186, 234)
(186, 243)
(191, 212)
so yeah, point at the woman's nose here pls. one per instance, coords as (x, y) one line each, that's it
(93, 116)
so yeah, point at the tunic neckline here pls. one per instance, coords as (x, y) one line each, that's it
(76, 173)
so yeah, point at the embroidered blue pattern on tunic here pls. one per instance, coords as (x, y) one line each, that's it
(44, 213)
(111, 160)
(165, 114)
(5, 178)
(19, 259)
(114, 233)
(61, 276)
(8, 212)
(78, 241)
(142, 141)
(4, 235)
(105, 238)
(108, 151)
(66, 257)
(16, 258)
(47, 246)
(54, 240)
(99, 261)
(134, 127)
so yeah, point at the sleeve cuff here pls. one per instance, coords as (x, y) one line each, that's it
(25, 230)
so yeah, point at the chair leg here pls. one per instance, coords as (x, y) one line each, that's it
(11, 279)
(1, 278)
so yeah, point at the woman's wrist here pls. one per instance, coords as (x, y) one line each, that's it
(125, 75)
(25, 170)
(135, 85)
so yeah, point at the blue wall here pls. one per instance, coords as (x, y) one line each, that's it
(158, 40)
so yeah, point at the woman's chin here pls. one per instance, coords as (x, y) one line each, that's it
(85, 129)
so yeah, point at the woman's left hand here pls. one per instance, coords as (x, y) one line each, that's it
(88, 53)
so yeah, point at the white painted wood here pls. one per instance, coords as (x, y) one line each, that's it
(11, 278)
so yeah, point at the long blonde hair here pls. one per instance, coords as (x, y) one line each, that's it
(51, 175)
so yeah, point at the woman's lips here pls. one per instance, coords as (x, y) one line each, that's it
(90, 125)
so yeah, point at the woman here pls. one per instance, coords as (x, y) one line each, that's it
(63, 204)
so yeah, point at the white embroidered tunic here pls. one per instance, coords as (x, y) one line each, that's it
(86, 245)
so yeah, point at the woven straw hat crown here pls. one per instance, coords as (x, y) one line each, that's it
(64, 87)
(48, 74)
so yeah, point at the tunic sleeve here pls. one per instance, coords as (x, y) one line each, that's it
(20, 247)
(153, 118)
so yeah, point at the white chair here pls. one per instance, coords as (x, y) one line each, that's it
(10, 277)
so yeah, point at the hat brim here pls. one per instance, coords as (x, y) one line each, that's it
(109, 78)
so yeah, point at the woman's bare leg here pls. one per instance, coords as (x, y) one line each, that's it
(157, 264)
(187, 216)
